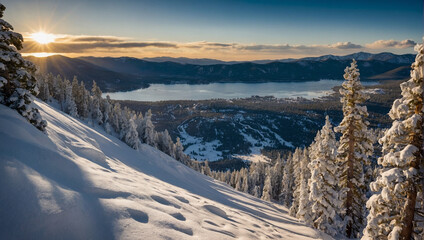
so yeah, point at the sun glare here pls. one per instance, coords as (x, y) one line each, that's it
(42, 37)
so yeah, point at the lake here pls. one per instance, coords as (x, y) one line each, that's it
(164, 92)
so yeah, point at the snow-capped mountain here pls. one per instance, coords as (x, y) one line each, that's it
(362, 56)
(77, 182)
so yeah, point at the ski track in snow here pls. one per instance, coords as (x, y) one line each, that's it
(76, 182)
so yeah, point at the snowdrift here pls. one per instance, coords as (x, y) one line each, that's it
(76, 182)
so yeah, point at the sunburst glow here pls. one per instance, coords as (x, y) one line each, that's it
(43, 38)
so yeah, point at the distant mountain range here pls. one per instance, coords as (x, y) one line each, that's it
(361, 56)
(125, 73)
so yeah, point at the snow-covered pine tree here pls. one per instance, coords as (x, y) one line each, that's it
(76, 94)
(17, 81)
(266, 193)
(245, 183)
(96, 96)
(304, 211)
(354, 149)
(69, 105)
(43, 86)
(297, 172)
(287, 184)
(239, 179)
(206, 169)
(256, 178)
(116, 116)
(148, 133)
(276, 178)
(179, 152)
(233, 177)
(84, 110)
(107, 111)
(59, 90)
(131, 136)
(323, 183)
(392, 213)
(165, 143)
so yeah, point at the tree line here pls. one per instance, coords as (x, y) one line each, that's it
(353, 186)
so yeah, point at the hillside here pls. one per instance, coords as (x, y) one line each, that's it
(125, 73)
(76, 182)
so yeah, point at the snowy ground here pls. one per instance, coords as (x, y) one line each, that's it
(257, 136)
(80, 183)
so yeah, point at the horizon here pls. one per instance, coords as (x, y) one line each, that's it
(214, 59)
(222, 30)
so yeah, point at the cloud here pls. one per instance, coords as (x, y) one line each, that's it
(345, 45)
(80, 39)
(381, 44)
(80, 44)
(75, 45)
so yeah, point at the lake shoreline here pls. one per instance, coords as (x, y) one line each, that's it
(227, 91)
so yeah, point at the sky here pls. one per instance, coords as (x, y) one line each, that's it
(220, 29)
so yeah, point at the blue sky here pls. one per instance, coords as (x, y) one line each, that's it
(244, 23)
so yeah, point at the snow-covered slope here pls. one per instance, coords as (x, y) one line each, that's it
(76, 182)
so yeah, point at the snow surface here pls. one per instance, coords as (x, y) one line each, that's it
(201, 150)
(76, 182)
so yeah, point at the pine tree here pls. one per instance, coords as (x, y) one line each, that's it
(287, 184)
(354, 149)
(256, 178)
(107, 112)
(297, 158)
(392, 213)
(148, 133)
(304, 211)
(245, 183)
(165, 143)
(266, 193)
(205, 169)
(239, 180)
(17, 81)
(59, 91)
(69, 105)
(84, 110)
(324, 178)
(43, 86)
(276, 178)
(96, 95)
(131, 135)
(179, 151)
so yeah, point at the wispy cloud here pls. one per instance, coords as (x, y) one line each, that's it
(381, 44)
(345, 45)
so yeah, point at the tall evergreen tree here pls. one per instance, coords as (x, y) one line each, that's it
(148, 133)
(297, 170)
(266, 193)
(304, 211)
(131, 137)
(323, 183)
(394, 208)
(17, 81)
(96, 95)
(84, 112)
(70, 106)
(354, 149)
(276, 177)
(287, 184)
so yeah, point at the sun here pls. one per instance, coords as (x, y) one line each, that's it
(42, 37)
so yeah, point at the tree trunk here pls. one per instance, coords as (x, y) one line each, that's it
(349, 184)
(408, 215)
